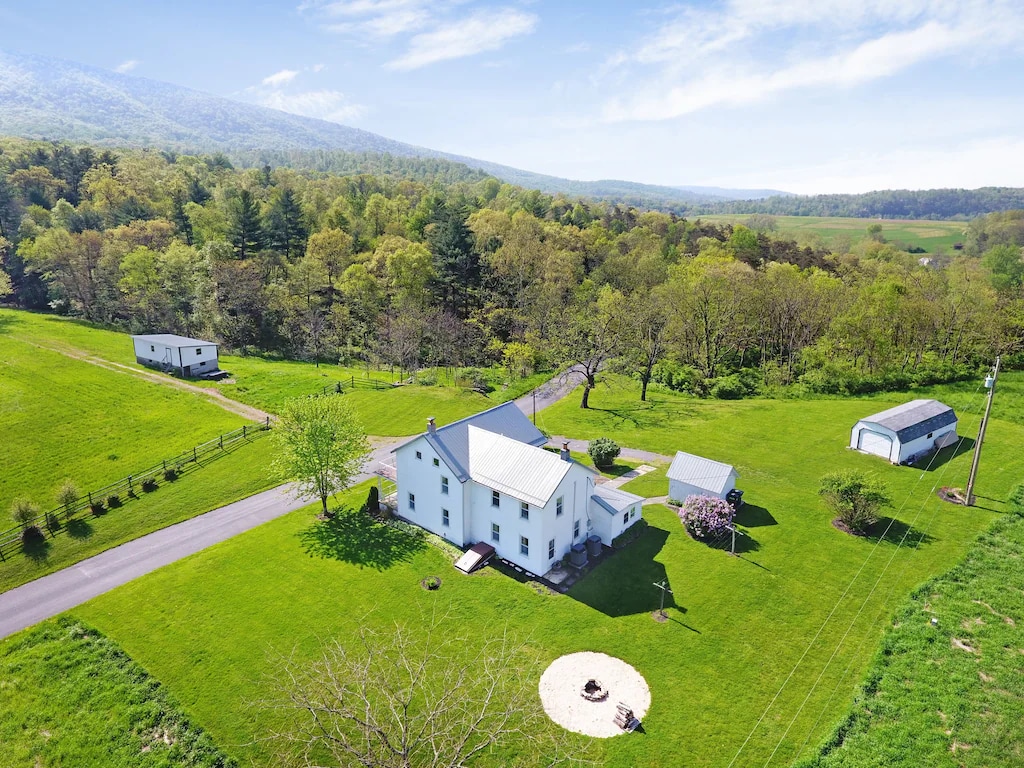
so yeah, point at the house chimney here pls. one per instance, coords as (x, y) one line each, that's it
(431, 425)
(564, 453)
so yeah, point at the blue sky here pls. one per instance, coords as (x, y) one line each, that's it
(802, 95)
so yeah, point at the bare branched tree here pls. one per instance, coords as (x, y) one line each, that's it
(414, 698)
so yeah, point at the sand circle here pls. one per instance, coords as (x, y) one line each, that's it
(562, 683)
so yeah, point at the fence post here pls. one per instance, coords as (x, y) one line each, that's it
(131, 490)
(243, 431)
(194, 458)
(268, 422)
(222, 442)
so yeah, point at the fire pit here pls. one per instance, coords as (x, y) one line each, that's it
(592, 690)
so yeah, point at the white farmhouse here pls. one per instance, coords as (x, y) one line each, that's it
(691, 475)
(487, 479)
(901, 433)
(177, 354)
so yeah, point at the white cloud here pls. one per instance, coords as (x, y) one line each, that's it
(280, 78)
(483, 31)
(126, 66)
(746, 51)
(378, 18)
(318, 67)
(323, 104)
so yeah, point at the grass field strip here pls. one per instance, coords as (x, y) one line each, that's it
(212, 395)
(881, 611)
(864, 603)
(832, 612)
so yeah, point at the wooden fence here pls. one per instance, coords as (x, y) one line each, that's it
(340, 387)
(116, 494)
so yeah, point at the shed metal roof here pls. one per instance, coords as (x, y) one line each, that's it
(517, 469)
(914, 419)
(173, 340)
(614, 500)
(451, 442)
(703, 473)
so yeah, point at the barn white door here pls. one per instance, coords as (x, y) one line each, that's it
(875, 442)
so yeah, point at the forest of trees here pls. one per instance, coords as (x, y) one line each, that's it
(414, 273)
(961, 204)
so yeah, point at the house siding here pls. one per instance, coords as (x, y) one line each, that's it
(421, 478)
(679, 490)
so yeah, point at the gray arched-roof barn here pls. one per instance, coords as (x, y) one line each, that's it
(906, 431)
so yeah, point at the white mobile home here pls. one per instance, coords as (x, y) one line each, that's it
(487, 479)
(176, 354)
(901, 433)
(694, 475)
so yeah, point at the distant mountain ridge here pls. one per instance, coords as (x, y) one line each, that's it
(48, 98)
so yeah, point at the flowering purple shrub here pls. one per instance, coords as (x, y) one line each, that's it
(705, 516)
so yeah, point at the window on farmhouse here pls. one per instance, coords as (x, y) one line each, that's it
(524, 546)
(412, 501)
(625, 517)
(444, 517)
(495, 532)
(199, 351)
(437, 463)
(576, 530)
(444, 485)
(551, 550)
(152, 348)
(559, 506)
(524, 510)
(495, 499)
(419, 455)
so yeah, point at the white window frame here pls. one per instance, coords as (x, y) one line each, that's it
(412, 501)
(495, 532)
(559, 506)
(495, 499)
(444, 485)
(524, 546)
(551, 549)
(524, 510)
(445, 518)
(575, 530)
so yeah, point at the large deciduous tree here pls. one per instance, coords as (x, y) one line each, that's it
(413, 698)
(321, 445)
(591, 333)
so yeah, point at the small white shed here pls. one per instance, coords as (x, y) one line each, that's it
(691, 475)
(899, 434)
(612, 511)
(177, 354)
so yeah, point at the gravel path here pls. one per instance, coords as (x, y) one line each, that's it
(561, 683)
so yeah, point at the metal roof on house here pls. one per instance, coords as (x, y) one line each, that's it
(914, 419)
(518, 469)
(614, 500)
(173, 340)
(703, 473)
(451, 442)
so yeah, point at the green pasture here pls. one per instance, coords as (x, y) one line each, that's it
(837, 231)
(65, 418)
(71, 697)
(266, 383)
(761, 654)
(220, 479)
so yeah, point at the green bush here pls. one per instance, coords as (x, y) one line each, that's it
(149, 485)
(170, 474)
(603, 451)
(113, 501)
(96, 507)
(24, 511)
(854, 498)
(67, 495)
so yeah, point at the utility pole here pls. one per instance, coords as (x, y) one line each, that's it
(990, 382)
(663, 586)
(535, 407)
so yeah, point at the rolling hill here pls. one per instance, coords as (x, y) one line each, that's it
(48, 98)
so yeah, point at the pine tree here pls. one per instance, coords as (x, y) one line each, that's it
(286, 230)
(246, 234)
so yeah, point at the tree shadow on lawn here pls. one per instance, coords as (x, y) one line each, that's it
(79, 528)
(651, 413)
(893, 531)
(624, 584)
(752, 516)
(352, 536)
(37, 549)
(934, 461)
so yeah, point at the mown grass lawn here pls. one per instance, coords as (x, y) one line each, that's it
(950, 693)
(221, 479)
(65, 418)
(761, 653)
(70, 697)
(266, 383)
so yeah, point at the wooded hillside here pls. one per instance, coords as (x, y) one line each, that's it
(475, 272)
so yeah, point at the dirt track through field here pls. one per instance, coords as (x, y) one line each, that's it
(211, 395)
